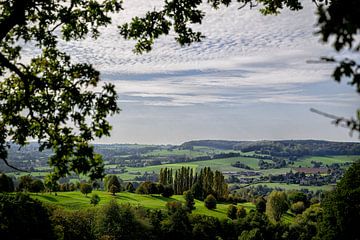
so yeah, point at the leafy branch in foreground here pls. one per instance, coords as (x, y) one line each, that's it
(49, 98)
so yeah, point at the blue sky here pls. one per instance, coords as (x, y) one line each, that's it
(250, 79)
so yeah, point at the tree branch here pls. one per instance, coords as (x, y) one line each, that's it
(13, 167)
(6, 63)
(352, 124)
(16, 17)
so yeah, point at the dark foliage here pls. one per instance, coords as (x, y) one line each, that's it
(6, 183)
(23, 218)
(210, 202)
(342, 208)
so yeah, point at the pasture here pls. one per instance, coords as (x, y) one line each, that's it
(76, 200)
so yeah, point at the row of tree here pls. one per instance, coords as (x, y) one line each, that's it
(201, 184)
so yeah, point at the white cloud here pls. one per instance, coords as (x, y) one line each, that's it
(249, 67)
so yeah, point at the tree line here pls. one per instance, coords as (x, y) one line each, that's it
(201, 184)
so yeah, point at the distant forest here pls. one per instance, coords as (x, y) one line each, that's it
(137, 155)
(282, 148)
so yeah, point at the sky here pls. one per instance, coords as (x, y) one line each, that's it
(251, 78)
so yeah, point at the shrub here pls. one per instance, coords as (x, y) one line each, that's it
(6, 183)
(37, 186)
(260, 205)
(173, 206)
(231, 212)
(190, 200)
(118, 222)
(77, 225)
(85, 188)
(95, 199)
(210, 202)
(111, 180)
(168, 191)
(298, 207)
(130, 187)
(113, 189)
(241, 212)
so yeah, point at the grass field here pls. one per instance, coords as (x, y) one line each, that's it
(285, 186)
(76, 200)
(223, 164)
(328, 160)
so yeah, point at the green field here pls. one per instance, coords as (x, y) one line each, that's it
(222, 165)
(328, 160)
(76, 200)
(286, 187)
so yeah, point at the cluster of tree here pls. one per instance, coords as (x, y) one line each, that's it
(239, 164)
(276, 163)
(183, 180)
(25, 183)
(299, 148)
(147, 176)
(201, 184)
(234, 212)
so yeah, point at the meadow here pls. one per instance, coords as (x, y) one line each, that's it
(76, 200)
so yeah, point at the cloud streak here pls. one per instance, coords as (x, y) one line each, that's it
(249, 79)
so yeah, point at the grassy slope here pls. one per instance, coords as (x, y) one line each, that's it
(76, 200)
(286, 186)
(328, 160)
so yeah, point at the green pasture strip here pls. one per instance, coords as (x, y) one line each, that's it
(286, 186)
(328, 160)
(76, 200)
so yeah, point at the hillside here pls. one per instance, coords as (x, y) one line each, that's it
(76, 201)
(284, 148)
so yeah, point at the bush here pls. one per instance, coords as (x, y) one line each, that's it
(77, 225)
(241, 212)
(298, 207)
(261, 205)
(147, 188)
(95, 199)
(111, 180)
(173, 206)
(210, 202)
(168, 191)
(231, 212)
(6, 183)
(85, 188)
(113, 189)
(118, 222)
(37, 186)
(190, 201)
(25, 183)
(130, 187)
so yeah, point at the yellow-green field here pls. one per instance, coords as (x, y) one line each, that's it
(76, 200)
